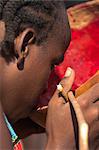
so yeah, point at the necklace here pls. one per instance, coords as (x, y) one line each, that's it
(14, 137)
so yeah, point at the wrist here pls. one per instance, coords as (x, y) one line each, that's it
(55, 145)
(60, 144)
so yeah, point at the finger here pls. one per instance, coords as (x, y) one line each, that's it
(96, 106)
(91, 114)
(94, 134)
(66, 83)
(91, 96)
(68, 79)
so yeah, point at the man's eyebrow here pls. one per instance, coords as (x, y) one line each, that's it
(58, 60)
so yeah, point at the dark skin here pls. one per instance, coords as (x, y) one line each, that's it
(21, 89)
(36, 55)
(5, 141)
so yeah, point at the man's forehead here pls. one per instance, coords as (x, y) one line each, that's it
(59, 38)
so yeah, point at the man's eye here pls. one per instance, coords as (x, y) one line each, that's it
(57, 62)
(52, 66)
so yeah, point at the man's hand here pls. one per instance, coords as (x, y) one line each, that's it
(59, 126)
(89, 102)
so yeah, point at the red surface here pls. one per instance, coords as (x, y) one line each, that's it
(83, 53)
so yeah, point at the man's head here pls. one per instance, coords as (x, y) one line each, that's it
(35, 39)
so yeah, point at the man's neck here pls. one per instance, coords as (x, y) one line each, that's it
(5, 138)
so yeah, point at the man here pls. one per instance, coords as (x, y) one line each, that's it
(34, 37)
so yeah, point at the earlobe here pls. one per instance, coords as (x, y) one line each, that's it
(20, 64)
(22, 43)
(21, 60)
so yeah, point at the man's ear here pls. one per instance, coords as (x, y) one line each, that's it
(22, 46)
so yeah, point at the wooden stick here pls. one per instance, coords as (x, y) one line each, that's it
(82, 124)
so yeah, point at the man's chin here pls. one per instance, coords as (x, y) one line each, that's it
(22, 115)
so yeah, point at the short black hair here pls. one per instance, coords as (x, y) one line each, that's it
(20, 14)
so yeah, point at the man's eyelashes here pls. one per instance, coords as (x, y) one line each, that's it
(57, 62)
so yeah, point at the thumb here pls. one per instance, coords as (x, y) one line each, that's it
(67, 81)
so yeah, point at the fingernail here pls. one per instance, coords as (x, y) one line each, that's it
(68, 72)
